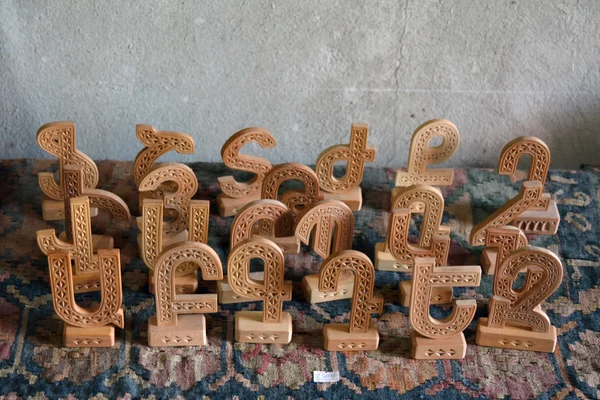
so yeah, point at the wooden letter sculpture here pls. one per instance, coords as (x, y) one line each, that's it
(87, 327)
(272, 325)
(516, 320)
(156, 143)
(58, 139)
(237, 194)
(151, 241)
(242, 229)
(295, 200)
(86, 264)
(356, 154)
(434, 339)
(541, 217)
(398, 254)
(499, 242)
(323, 218)
(422, 154)
(179, 319)
(359, 334)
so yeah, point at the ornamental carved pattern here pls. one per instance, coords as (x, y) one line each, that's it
(427, 276)
(273, 210)
(364, 302)
(230, 152)
(168, 303)
(422, 154)
(272, 291)
(355, 154)
(63, 297)
(58, 139)
(321, 218)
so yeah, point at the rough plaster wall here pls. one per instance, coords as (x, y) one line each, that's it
(304, 70)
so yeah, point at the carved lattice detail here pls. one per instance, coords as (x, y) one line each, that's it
(355, 154)
(272, 291)
(273, 210)
(58, 139)
(540, 163)
(364, 302)
(156, 143)
(63, 297)
(179, 200)
(505, 239)
(73, 186)
(426, 276)
(422, 154)
(530, 193)
(230, 152)
(168, 303)
(81, 248)
(544, 275)
(293, 199)
(322, 217)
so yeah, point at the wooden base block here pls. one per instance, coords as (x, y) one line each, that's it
(352, 198)
(249, 328)
(488, 260)
(229, 206)
(312, 294)
(54, 210)
(100, 336)
(384, 261)
(439, 295)
(337, 338)
(542, 222)
(452, 348)
(189, 331)
(512, 337)
(186, 284)
(226, 294)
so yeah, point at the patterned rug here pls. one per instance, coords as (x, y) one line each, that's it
(34, 364)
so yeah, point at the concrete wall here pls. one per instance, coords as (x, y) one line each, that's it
(304, 70)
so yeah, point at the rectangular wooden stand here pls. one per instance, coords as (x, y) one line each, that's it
(249, 328)
(439, 295)
(226, 294)
(186, 284)
(189, 331)
(229, 206)
(452, 348)
(312, 294)
(543, 222)
(336, 337)
(101, 336)
(54, 210)
(512, 337)
(488, 260)
(352, 198)
(384, 261)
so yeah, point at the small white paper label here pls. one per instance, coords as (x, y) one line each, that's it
(324, 376)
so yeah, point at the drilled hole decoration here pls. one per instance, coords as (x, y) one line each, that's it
(421, 154)
(157, 143)
(178, 201)
(272, 290)
(73, 186)
(521, 307)
(364, 302)
(355, 154)
(530, 193)
(321, 218)
(63, 296)
(168, 303)
(272, 210)
(230, 153)
(433, 240)
(58, 139)
(427, 275)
